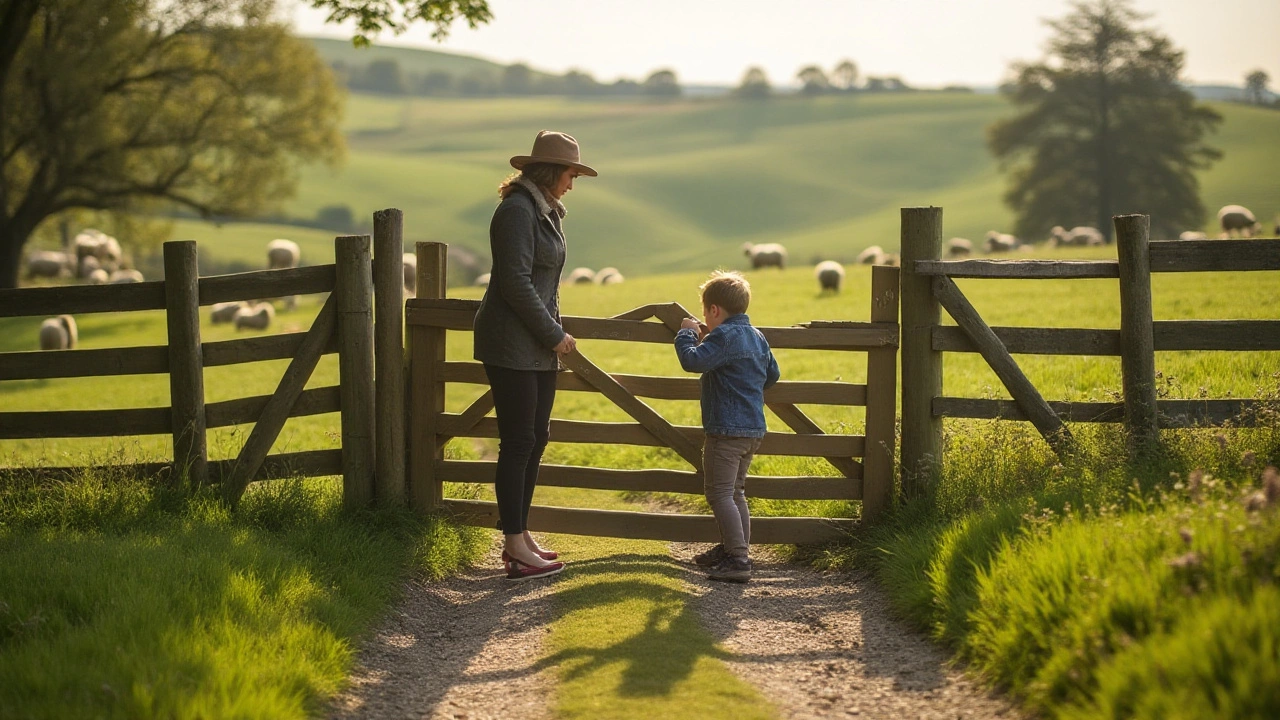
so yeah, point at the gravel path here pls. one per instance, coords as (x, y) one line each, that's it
(462, 648)
(826, 646)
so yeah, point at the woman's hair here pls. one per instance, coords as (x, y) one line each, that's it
(544, 175)
(729, 290)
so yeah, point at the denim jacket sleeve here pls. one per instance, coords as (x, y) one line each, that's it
(512, 240)
(773, 373)
(699, 357)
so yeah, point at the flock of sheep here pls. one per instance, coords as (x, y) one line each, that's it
(95, 258)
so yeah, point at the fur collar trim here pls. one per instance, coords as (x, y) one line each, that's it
(540, 198)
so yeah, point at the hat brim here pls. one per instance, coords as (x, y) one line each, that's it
(519, 161)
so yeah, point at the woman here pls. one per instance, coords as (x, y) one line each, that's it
(518, 335)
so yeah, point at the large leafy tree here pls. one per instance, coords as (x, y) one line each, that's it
(372, 17)
(1103, 128)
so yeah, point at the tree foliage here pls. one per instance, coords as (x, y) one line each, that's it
(1255, 87)
(814, 80)
(754, 85)
(373, 17)
(119, 106)
(1103, 128)
(845, 75)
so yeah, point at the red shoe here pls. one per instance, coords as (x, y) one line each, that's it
(544, 554)
(517, 570)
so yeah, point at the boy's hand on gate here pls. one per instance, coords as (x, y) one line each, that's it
(689, 324)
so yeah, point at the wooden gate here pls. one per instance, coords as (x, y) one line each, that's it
(864, 462)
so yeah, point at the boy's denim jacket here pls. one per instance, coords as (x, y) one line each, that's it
(736, 366)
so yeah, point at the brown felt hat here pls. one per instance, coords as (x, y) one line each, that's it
(554, 147)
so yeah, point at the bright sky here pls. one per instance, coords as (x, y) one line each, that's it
(926, 42)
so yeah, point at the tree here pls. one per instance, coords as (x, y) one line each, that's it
(846, 75)
(517, 79)
(205, 105)
(814, 80)
(381, 76)
(1103, 128)
(662, 83)
(373, 17)
(1255, 87)
(578, 82)
(755, 84)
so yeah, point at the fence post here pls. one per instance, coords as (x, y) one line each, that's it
(388, 280)
(921, 364)
(186, 362)
(1137, 340)
(426, 352)
(882, 392)
(354, 288)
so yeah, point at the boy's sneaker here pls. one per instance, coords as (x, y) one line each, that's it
(710, 558)
(732, 569)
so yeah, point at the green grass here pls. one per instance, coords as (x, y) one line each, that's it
(120, 599)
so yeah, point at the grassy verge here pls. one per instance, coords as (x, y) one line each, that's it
(121, 599)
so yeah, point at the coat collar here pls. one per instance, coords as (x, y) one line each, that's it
(540, 198)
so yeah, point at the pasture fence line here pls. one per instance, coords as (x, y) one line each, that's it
(864, 463)
(344, 325)
(928, 286)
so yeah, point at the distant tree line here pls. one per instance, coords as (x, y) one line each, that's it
(843, 78)
(386, 77)
(1256, 91)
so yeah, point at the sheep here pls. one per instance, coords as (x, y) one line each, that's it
(257, 317)
(1000, 242)
(830, 275)
(98, 277)
(58, 333)
(47, 263)
(1076, 236)
(871, 255)
(483, 280)
(1238, 220)
(1192, 235)
(97, 244)
(890, 259)
(581, 276)
(765, 255)
(958, 247)
(282, 254)
(409, 266)
(608, 276)
(121, 277)
(225, 311)
(88, 264)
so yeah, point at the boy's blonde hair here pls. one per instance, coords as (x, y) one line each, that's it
(727, 289)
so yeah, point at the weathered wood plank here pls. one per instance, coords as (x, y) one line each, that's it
(1216, 335)
(70, 473)
(388, 295)
(656, 480)
(1019, 269)
(1137, 334)
(85, 423)
(798, 392)
(242, 411)
(656, 526)
(1214, 255)
(645, 415)
(471, 415)
(803, 425)
(921, 239)
(40, 364)
(308, 463)
(426, 388)
(577, 431)
(1172, 413)
(353, 289)
(81, 299)
(882, 397)
(1033, 340)
(186, 365)
(257, 349)
(259, 284)
(1026, 394)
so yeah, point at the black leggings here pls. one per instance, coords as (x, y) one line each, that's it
(522, 400)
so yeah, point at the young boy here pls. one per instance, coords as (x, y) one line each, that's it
(736, 366)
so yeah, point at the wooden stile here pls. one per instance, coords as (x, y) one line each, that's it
(388, 279)
(354, 306)
(186, 366)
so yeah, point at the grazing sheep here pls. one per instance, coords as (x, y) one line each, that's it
(1081, 235)
(120, 277)
(958, 247)
(1000, 242)
(1237, 220)
(282, 254)
(608, 276)
(47, 263)
(830, 275)
(101, 246)
(1193, 235)
(765, 255)
(871, 255)
(256, 317)
(409, 266)
(890, 259)
(88, 264)
(98, 277)
(483, 280)
(58, 333)
(225, 312)
(581, 276)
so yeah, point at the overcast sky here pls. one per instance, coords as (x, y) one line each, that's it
(926, 42)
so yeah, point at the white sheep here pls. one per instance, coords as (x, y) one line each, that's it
(224, 312)
(88, 264)
(121, 277)
(47, 263)
(282, 254)
(830, 275)
(409, 266)
(1081, 235)
(1000, 242)
(256, 317)
(1192, 235)
(581, 276)
(98, 277)
(483, 280)
(958, 247)
(871, 255)
(97, 244)
(608, 276)
(1238, 220)
(58, 333)
(765, 255)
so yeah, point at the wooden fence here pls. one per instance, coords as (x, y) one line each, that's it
(927, 287)
(431, 314)
(344, 326)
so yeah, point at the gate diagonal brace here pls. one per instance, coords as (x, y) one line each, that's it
(652, 421)
(471, 416)
(795, 418)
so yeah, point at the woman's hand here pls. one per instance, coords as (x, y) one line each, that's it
(567, 345)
